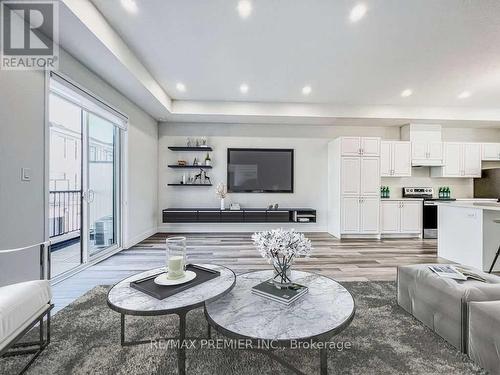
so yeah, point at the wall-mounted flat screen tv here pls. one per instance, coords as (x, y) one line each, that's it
(260, 170)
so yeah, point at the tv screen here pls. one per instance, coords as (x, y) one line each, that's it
(259, 170)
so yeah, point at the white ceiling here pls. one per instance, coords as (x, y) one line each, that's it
(438, 48)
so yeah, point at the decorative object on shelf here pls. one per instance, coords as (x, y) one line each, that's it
(181, 163)
(176, 258)
(270, 207)
(280, 247)
(190, 142)
(203, 177)
(195, 161)
(208, 161)
(197, 142)
(203, 142)
(235, 206)
(221, 192)
(183, 178)
(276, 206)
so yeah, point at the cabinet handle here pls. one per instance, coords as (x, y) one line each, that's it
(359, 151)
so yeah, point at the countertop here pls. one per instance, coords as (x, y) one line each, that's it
(489, 206)
(401, 199)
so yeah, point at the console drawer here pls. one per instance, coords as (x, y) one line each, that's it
(232, 216)
(278, 216)
(209, 216)
(180, 216)
(255, 216)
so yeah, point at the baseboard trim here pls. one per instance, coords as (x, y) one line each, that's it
(140, 237)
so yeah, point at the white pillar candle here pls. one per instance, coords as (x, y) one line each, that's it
(175, 267)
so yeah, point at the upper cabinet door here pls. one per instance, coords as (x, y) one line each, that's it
(370, 176)
(401, 159)
(491, 151)
(435, 151)
(385, 158)
(452, 160)
(370, 146)
(351, 171)
(471, 160)
(411, 217)
(351, 146)
(419, 150)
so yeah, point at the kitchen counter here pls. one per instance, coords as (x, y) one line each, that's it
(468, 233)
(401, 199)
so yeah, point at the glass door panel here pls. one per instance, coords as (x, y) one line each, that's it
(101, 193)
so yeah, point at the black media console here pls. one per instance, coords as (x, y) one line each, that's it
(250, 215)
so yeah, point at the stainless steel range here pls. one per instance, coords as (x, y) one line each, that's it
(430, 215)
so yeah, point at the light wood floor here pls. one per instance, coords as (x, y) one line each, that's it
(346, 260)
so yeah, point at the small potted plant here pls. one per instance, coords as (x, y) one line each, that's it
(221, 192)
(280, 247)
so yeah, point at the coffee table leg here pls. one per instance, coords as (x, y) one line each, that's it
(122, 329)
(181, 353)
(323, 360)
(209, 331)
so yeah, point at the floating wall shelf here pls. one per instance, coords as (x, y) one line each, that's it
(176, 148)
(189, 184)
(191, 166)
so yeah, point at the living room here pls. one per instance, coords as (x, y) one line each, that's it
(249, 187)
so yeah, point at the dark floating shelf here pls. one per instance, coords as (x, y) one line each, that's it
(182, 148)
(190, 166)
(189, 184)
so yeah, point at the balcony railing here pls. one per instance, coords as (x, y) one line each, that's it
(64, 212)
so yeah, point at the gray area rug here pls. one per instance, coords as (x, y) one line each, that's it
(384, 338)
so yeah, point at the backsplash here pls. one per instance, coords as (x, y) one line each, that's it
(460, 187)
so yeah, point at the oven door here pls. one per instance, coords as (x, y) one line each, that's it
(430, 218)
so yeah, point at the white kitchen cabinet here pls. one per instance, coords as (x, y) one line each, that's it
(369, 176)
(350, 181)
(360, 215)
(395, 159)
(370, 215)
(427, 153)
(401, 217)
(490, 151)
(460, 160)
(360, 146)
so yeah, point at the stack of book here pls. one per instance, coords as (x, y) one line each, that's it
(456, 273)
(287, 296)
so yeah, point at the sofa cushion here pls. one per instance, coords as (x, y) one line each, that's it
(484, 334)
(439, 302)
(20, 304)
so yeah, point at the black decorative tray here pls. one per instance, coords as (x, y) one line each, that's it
(147, 285)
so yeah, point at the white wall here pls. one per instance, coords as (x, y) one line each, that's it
(310, 174)
(310, 144)
(22, 144)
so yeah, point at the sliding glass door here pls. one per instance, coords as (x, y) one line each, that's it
(102, 181)
(84, 200)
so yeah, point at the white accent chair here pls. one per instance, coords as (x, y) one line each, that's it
(23, 305)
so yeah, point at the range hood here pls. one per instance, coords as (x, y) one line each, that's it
(426, 144)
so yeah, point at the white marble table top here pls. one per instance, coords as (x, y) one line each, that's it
(327, 307)
(123, 297)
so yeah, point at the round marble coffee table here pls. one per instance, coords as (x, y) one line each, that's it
(129, 301)
(323, 312)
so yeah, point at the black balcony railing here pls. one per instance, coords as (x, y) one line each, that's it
(64, 211)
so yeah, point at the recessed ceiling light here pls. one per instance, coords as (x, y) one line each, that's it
(180, 87)
(129, 5)
(244, 88)
(244, 8)
(306, 90)
(406, 93)
(357, 12)
(464, 95)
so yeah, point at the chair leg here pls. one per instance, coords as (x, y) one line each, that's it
(494, 260)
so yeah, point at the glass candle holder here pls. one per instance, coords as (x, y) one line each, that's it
(176, 257)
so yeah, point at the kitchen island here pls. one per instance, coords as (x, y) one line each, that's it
(468, 233)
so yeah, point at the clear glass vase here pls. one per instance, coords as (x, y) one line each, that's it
(282, 273)
(176, 257)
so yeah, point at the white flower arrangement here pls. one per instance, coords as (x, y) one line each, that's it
(280, 247)
(221, 190)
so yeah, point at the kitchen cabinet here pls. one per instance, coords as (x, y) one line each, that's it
(401, 217)
(427, 153)
(354, 186)
(460, 160)
(360, 215)
(490, 151)
(360, 146)
(395, 159)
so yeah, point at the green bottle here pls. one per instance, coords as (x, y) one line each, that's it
(388, 192)
(440, 192)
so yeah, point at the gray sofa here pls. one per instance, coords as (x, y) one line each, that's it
(483, 339)
(441, 303)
